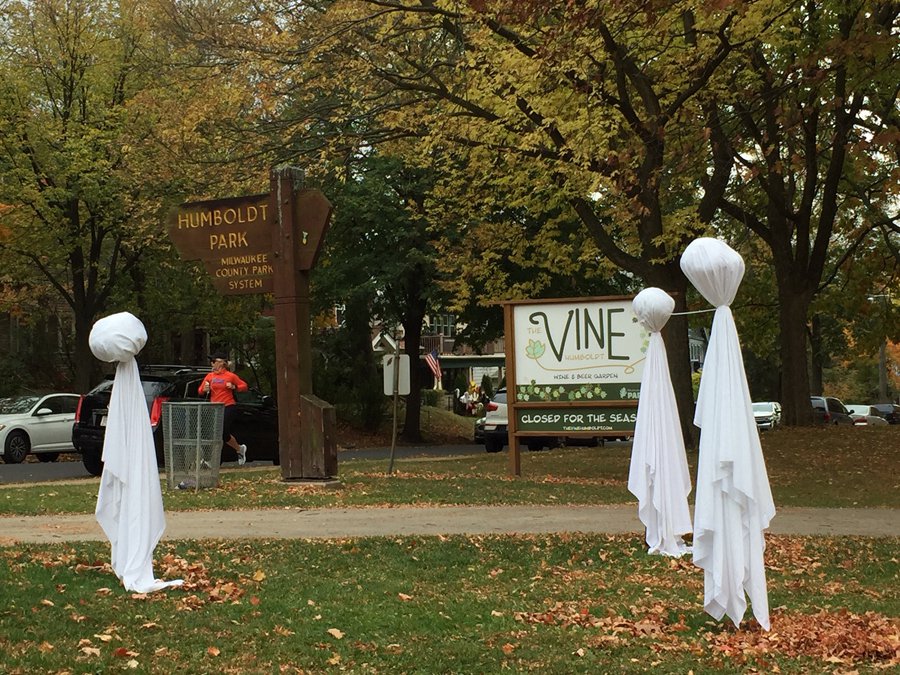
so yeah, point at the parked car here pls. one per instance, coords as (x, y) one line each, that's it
(866, 415)
(478, 432)
(889, 411)
(496, 430)
(830, 410)
(767, 414)
(40, 425)
(255, 425)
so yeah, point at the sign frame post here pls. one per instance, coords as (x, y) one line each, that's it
(291, 291)
(301, 217)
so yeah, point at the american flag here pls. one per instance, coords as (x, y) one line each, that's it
(433, 363)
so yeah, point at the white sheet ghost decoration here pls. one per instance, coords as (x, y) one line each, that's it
(129, 503)
(659, 475)
(734, 503)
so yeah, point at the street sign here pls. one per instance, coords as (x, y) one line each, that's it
(403, 381)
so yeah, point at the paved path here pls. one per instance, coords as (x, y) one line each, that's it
(365, 522)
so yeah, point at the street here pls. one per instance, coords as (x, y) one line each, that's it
(70, 467)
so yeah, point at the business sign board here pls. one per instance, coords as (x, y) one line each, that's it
(575, 370)
(578, 351)
(570, 420)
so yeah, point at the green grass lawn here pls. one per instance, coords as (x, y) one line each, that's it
(807, 467)
(462, 604)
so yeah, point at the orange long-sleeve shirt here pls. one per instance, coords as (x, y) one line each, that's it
(219, 391)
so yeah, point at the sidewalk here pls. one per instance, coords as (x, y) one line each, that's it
(399, 521)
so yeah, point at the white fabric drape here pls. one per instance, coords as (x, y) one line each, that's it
(129, 503)
(733, 503)
(658, 475)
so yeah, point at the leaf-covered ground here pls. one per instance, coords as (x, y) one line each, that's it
(545, 604)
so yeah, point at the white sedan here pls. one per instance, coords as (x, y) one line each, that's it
(866, 415)
(41, 425)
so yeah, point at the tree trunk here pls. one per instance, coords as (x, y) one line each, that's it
(679, 355)
(413, 318)
(675, 334)
(412, 329)
(85, 363)
(816, 360)
(793, 308)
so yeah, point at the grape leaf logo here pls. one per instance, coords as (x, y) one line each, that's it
(534, 349)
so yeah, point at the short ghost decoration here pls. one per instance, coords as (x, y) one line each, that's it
(129, 504)
(658, 475)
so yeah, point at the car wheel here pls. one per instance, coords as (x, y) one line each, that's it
(47, 456)
(492, 445)
(17, 447)
(92, 462)
(534, 446)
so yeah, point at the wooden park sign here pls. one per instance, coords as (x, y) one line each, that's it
(233, 239)
(268, 243)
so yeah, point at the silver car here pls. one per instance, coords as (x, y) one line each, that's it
(40, 425)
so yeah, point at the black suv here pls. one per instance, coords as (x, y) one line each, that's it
(255, 425)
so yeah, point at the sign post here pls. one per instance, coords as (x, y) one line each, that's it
(301, 218)
(268, 244)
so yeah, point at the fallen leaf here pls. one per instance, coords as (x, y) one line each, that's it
(494, 612)
(404, 597)
(90, 651)
(579, 651)
(103, 637)
(259, 575)
(334, 660)
(254, 600)
(132, 664)
(335, 633)
(45, 647)
(508, 648)
(213, 651)
(48, 603)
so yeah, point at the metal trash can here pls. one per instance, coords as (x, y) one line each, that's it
(192, 443)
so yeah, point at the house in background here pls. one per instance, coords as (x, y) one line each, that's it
(459, 363)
